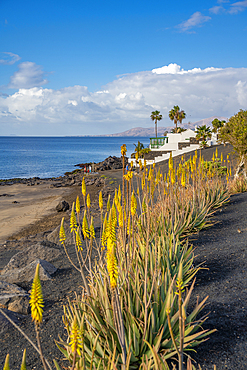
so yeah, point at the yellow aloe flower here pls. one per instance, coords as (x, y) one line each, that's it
(100, 200)
(104, 232)
(183, 181)
(123, 150)
(112, 268)
(154, 165)
(76, 342)
(140, 164)
(62, 236)
(83, 187)
(119, 194)
(114, 215)
(143, 181)
(85, 229)
(88, 201)
(173, 176)
(144, 205)
(128, 176)
(115, 196)
(221, 157)
(77, 205)
(109, 203)
(36, 298)
(133, 204)
(92, 231)
(216, 153)
(78, 239)
(120, 217)
(6, 363)
(170, 162)
(23, 364)
(73, 222)
(145, 163)
(111, 228)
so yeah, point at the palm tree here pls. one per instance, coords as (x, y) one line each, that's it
(203, 133)
(156, 116)
(181, 116)
(174, 115)
(138, 149)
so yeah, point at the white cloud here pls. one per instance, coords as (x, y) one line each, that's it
(127, 101)
(196, 20)
(28, 75)
(9, 58)
(237, 7)
(174, 68)
(73, 102)
(217, 9)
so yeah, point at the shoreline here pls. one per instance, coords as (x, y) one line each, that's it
(223, 247)
(20, 218)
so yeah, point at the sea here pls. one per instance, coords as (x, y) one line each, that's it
(45, 157)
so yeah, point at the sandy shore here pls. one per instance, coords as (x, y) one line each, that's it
(33, 203)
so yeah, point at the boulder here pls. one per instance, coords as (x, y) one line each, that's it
(54, 235)
(14, 298)
(26, 273)
(41, 250)
(62, 206)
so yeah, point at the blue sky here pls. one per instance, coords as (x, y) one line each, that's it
(80, 67)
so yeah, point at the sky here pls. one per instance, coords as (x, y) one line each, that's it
(101, 67)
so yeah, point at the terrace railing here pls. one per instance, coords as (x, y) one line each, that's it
(157, 142)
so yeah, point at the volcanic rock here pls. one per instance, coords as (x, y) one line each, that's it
(62, 206)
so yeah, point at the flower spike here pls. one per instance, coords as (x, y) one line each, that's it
(36, 298)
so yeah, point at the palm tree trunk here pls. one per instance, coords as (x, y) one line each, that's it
(156, 128)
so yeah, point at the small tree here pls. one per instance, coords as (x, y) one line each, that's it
(235, 133)
(156, 116)
(217, 125)
(203, 133)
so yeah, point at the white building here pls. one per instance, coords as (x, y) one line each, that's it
(176, 144)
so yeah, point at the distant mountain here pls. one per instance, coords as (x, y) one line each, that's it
(141, 131)
(149, 131)
(205, 121)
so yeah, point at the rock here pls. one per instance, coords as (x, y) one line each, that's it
(54, 235)
(27, 273)
(20, 305)
(110, 163)
(41, 250)
(21, 266)
(14, 298)
(62, 206)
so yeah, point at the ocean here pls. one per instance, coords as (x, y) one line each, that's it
(26, 157)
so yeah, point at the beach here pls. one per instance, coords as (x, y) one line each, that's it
(222, 248)
(22, 205)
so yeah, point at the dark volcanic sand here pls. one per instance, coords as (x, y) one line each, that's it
(222, 247)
